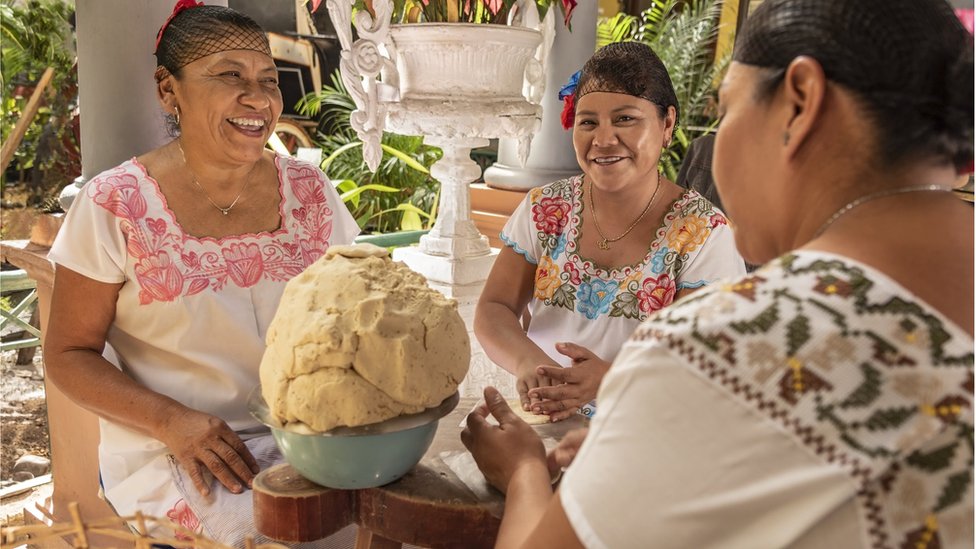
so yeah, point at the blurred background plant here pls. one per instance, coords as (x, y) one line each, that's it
(462, 11)
(683, 34)
(401, 194)
(35, 35)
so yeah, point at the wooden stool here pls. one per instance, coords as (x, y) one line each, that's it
(430, 506)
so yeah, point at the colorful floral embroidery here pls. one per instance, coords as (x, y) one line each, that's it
(169, 263)
(546, 278)
(868, 379)
(595, 297)
(564, 279)
(550, 215)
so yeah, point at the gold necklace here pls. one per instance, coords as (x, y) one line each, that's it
(605, 242)
(871, 196)
(193, 176)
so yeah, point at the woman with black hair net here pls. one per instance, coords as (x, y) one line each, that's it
(825, 400)
(176, 261)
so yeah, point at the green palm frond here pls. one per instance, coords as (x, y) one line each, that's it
(404, 166)
(619, 28)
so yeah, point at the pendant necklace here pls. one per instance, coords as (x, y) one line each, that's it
(604, 243)
(871, 196)
(193, 176)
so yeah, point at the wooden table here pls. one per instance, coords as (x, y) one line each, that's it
(430, 506)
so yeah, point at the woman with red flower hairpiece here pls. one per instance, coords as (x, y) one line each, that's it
(173, 264)
(592, 256)
(825, 400)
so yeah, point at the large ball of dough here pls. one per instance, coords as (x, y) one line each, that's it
(359, 338)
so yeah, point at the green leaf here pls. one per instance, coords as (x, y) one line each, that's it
(760, 324)
(953, 491)
(411, 222)
(889, 418)
(564, 296)
(347, 196)
(405, 158)
(867, 391)
(625, 305)
(331, 158)
(797, 334)
(935, 460)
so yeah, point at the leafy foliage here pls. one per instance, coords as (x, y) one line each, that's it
(683, 35)
(36, 35)
(467, 11)
(401, 195)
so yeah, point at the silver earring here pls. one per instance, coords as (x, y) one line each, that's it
(786, 138)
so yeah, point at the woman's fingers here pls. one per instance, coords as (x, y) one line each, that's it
(192, 468)
(221, 471)
(241, 449)
(557, 392)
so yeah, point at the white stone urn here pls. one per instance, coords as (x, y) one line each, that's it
(457, 85)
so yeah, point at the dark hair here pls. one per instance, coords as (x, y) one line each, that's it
(200, 31)
(909, 63)
(631, 68)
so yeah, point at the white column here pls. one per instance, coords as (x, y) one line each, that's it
(552, 156)
(120, 115)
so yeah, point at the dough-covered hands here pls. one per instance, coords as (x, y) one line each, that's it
(506, 450)
(530, 376)
(200, 442)
(572, 387)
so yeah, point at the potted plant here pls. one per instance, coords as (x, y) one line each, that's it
(450, 50)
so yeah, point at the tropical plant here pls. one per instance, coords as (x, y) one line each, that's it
(462, 11)
(36, 35)
(683, 34)
(401, 194)
(619, 28)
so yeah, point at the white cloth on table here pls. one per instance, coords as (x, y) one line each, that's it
(816, 403)
(192, 313)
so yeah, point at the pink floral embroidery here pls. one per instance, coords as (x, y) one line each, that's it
(182, 515)
(656, 293)
(159, 278)
(120, 195)
(169, 263)
(244, 264)
(716, 220)
(550, 215)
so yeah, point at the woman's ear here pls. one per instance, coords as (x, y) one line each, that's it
(669, 121)
(167, 94)
(804, 87)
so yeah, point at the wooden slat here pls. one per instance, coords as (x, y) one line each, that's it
(33, 104)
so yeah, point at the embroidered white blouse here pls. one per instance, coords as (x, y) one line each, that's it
(815, 403)
(192, 312)
(576, 300)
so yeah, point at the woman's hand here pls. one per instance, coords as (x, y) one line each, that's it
(562, 455)
(531, 376)
(202, 442)
(501, 451)
(571, 387)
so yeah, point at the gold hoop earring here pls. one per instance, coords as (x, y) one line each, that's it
(177, 116)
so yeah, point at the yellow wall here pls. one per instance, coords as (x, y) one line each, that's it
(608, 8)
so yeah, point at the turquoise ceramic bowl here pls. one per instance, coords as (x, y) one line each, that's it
(356, 457)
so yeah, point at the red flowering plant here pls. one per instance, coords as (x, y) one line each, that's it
(463, 11)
